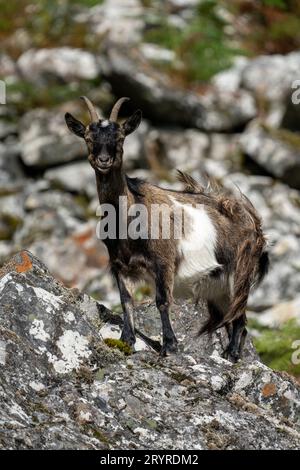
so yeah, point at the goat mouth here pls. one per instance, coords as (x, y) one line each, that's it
(104, 167)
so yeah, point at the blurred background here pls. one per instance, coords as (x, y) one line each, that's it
(215, 82)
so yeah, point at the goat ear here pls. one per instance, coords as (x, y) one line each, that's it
(133, 122)
(74, 125)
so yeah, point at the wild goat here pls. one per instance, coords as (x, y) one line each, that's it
(222, 252)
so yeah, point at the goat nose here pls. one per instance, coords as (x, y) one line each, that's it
(104, 158)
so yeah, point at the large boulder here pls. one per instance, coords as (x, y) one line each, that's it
(46, 141)
(118, 21)
(64, 63)
(215, 110)
(276, 151)
(64, 387)
(271, 76)
(76, 177)
(272, 81)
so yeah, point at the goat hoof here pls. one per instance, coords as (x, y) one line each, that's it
(169, 347)
(128, 339)
(231, 355)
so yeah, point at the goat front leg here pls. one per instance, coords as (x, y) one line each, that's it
(128, 334)
(164, 290)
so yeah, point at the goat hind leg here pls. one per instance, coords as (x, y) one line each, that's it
(237, 340)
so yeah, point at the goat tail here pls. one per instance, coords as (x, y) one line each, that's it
(251, 266)
(214, 318)
(247, 273)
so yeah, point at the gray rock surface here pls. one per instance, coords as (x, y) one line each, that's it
(216, 110)
(63, 387)
(46, 141)
(278, 156)
(11, 172)
(63, 63)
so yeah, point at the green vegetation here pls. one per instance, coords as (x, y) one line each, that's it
(118, 344)
(272, 26)
(275, 345)
(203, 46)
(25, 95)
(220, 30)
(44, 23)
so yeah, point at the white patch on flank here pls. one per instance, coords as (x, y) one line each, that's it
(197, 247)
(37, 330)
(37, 386)
(105, 123)
(53, 300)
(73, 347)
(2, 352)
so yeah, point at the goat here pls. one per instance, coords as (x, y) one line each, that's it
(222, 253)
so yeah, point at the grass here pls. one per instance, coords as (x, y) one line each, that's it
(275, 346)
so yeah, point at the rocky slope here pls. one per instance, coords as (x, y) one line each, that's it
(63, 387)
(241, 128)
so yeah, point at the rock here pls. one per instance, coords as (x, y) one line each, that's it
(75, 177)
(216, 110)
(277, 152)
(11, 172)
(7, 129)
(175, 148)
(134, 147)
(6, 251)
(280, 313)
(11, 215)
(291, 117)
(231, 79)
(78, 259)
(64, 63)
(182, 4)
(7, 66)
(46, 141)
(42, 198)
(64, 388)
(155, 53)
(270, 80)
(119, 21)
(271, 77)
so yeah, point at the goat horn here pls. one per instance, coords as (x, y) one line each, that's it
(115, 111)
(93, 113)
